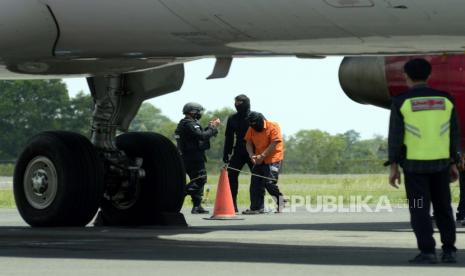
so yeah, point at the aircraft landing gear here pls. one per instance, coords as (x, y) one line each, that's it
(62, 178)
(159, 193)
(58, 180)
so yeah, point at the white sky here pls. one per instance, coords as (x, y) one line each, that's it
(296, 93)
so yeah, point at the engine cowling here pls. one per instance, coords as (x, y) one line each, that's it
(374, 80)
(363, 79)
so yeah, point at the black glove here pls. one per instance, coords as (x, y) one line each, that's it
(226, 159)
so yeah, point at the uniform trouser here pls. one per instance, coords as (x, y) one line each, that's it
(198, 175)
(424, 189)
(461, 207)
(237, 162)
(259, 184)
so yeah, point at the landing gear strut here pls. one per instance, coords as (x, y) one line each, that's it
(62, 178)
(122, 173)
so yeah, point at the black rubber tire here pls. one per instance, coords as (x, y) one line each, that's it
(79, 173)
(162, 189)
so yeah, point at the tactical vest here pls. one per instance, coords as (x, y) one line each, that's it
(188, 143)
(427, 127)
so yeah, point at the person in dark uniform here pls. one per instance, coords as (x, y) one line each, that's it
(234, 143)
(193, 141)
(424, 140)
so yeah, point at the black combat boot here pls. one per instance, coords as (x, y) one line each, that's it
(449, 257)
(424, 258)
(199, 210)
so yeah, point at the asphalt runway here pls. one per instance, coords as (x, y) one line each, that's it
(299, 243)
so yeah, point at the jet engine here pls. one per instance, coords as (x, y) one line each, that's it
(374, 80)
(363, 79)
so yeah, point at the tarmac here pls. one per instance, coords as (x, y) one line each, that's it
(297, 243)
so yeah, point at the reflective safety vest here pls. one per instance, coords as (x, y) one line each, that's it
(427, 127)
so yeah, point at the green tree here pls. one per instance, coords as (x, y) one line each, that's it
(150, 118)
(368, 156)
(78, 114)
(215, 153)
(27, 108)
(314, 151)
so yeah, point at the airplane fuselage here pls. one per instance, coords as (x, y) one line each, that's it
(86, 37)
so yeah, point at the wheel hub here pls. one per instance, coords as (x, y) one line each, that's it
(40, 182)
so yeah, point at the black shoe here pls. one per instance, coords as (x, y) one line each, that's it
(253, 212)
(199, 210)
(424, 258)
(449, 257)
(463, 223)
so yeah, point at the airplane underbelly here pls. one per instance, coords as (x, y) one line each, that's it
(122, 28)
(319, 27)
(185, 28)
(257, 19)
(27, 29)
(341, 27)
(109, 28)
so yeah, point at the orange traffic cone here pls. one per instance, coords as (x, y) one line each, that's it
(224, 206)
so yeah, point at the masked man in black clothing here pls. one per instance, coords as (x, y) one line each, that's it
(193, 141)
(235, 131)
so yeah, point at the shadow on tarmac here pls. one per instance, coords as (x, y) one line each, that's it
(376, 226)
(147, 244)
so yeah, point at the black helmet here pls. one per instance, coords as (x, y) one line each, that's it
(192, 108)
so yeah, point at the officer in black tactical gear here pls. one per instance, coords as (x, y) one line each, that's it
(236, 128)
(192, 142)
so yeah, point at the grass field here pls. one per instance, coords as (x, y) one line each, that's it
(302, 185)
(6, 199)
(325, 185)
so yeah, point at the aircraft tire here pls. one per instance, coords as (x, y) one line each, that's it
(162, 188)
(58, 180)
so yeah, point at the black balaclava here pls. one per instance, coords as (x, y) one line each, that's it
(256, 121)
(197, 115)
(244, 107)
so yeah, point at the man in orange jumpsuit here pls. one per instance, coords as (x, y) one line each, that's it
(265, 147)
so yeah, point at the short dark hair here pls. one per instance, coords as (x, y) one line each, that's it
(418, 69)
(255, 116)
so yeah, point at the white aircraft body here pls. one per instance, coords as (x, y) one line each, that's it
(59, 37)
